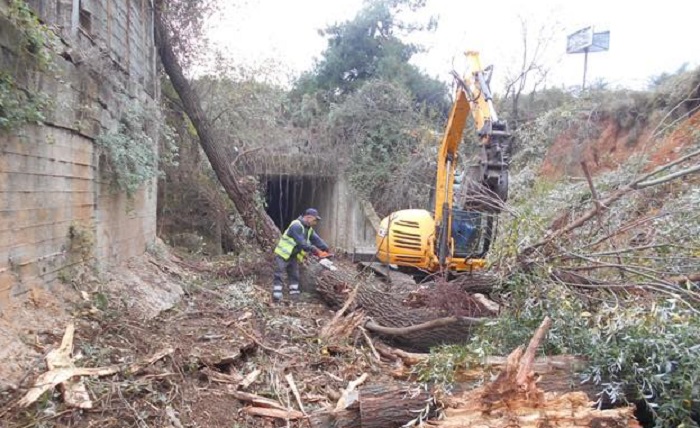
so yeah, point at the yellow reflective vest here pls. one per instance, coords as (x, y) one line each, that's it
(287, 243)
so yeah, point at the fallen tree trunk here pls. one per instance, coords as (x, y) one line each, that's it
(558, 373)
(514, 399)
(378, 406)
(242, 196)
(569, 410)
(386, 306)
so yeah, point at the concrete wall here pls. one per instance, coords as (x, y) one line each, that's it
(50, 176)
(345, 224)
(348, 222)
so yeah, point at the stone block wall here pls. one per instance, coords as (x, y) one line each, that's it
(56, 205)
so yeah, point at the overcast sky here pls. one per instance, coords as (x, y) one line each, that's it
(646, 38)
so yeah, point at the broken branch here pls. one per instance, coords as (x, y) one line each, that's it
(345, 401)
(440, 322)
(274, 413)
(50, 379)
(525, 372)
(295, 391)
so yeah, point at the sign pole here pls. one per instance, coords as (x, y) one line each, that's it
(585, 41)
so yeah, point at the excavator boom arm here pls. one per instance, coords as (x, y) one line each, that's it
(448, 154)
(473, 96)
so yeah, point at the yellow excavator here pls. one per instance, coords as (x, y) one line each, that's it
(457, 234)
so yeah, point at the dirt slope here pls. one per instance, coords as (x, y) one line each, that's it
(615, 146)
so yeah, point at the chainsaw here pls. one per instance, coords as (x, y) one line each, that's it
(324, 259)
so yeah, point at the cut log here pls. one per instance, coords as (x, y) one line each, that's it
(378, 406)
(385, 305)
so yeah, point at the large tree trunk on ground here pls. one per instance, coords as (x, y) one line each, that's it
(387, 306)
(379, 406)
(514, 399)
(478, 409)
(559, 373)
(243, 197)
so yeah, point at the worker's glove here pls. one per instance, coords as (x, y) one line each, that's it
(315, 251)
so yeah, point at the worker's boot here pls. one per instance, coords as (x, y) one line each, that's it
(294, 292)
(276, 293)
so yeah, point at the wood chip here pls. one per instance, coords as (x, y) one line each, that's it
(295, 391)
(274, 413)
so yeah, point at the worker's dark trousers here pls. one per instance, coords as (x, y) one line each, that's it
(292, 268)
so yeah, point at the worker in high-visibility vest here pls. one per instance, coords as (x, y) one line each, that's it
(296, 242)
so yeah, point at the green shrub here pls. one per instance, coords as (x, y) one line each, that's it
(128, 151)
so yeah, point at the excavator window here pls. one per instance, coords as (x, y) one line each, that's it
(466, 227)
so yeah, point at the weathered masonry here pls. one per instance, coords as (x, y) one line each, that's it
(56, 206)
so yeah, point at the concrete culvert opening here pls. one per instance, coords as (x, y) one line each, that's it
(287, 196)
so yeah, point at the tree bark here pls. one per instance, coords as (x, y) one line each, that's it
(243, 197)
(378, 406)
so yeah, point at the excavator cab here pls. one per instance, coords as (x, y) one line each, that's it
(466, 234)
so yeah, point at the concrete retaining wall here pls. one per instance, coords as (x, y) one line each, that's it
(52, 184)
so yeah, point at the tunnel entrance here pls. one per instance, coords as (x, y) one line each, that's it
(288, 196)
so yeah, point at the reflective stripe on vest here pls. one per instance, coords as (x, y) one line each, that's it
(287, 243)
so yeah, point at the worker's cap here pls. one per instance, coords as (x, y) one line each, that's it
(312, 212)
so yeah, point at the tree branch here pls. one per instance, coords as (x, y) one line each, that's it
(669, 177)
(639, 183)
(662, 168)
(440, 322)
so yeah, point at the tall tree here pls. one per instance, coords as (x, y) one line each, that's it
(243, 197)
(370, 47)
(377, 130)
